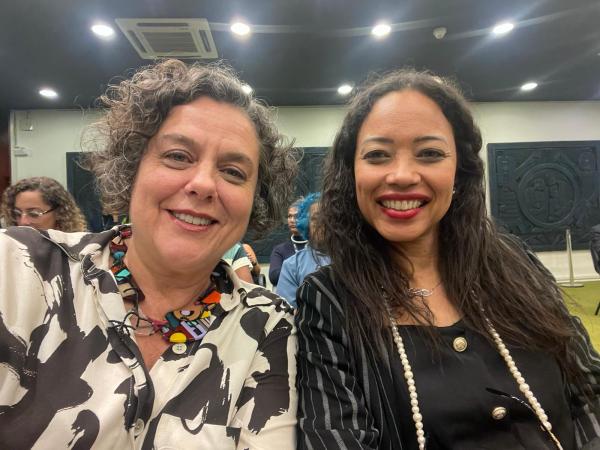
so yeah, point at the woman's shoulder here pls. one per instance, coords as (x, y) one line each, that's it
(323, 279)
(320, 290)
(261, 312)
(289, 262)
(258, 296)
(253, 298)
(73, 244)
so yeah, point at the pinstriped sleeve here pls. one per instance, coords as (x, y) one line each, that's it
(331, 410)
(586, 410)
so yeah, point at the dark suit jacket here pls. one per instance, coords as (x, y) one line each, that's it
(345, 395)
(595, 246)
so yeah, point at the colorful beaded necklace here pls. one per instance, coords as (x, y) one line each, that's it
(179, 326)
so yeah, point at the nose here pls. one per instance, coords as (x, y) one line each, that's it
(403, 173)
(23, 219)
(203, 182)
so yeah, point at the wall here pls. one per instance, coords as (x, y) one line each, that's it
(57, 132)
(544, 121)
(4, 159)
(53, 134)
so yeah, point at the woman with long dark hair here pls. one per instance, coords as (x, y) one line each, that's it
(431, 329)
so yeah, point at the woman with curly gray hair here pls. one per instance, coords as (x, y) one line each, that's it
(155, 340)
(42, 203)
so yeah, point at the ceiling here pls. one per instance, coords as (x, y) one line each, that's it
(300, 51)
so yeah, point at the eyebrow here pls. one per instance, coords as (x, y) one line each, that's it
(229, 156)
(239, 157)
(429, 138)
(179, 138)
(417, 140)
(378, 139)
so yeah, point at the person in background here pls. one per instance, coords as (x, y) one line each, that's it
(431, 329)
(286, 249)
(140, 337)
(238, 259)
(41, 203)
(306, 261)
(257, 277)
(595, 246)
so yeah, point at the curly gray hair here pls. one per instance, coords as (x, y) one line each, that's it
(135, 110)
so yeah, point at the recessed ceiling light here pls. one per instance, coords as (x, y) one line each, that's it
(502, 28)
(247, 89)
(381, 30)
(529, 86)
(48, 93)
(240, 28)
(102, 30)
(440, 32)
(344, 89)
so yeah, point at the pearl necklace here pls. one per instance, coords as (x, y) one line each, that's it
(512, 367)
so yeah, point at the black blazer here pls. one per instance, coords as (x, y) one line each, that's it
(595, 246)
(346, 395)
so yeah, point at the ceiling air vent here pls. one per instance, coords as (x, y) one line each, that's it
(175, 38)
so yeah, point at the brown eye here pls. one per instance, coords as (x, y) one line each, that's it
(234, 173)
(179, 157)
(433, 154)
(375, 156)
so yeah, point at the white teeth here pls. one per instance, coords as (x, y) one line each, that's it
(192, 219)
(402, 205)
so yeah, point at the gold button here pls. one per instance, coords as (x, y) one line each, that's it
(499, 412)
(459, 344)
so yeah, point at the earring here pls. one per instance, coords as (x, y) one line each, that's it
(453, 190)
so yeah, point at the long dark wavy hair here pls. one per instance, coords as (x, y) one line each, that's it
(486, 274)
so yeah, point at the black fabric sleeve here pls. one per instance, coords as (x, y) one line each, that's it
(275, 262)
(332, 413)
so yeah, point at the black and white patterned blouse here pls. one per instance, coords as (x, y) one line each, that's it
(70, 378)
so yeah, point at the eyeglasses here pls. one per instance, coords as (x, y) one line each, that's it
(32, 213)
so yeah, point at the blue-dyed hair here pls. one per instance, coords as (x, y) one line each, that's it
(303, 214)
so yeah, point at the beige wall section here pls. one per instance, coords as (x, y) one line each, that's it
(57, 132)
(310, 126)
(53, 134)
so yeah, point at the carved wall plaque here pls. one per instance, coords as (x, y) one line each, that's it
(539, 189)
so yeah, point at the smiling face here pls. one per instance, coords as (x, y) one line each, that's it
(194, 189)
(32, 201)
(404, 166)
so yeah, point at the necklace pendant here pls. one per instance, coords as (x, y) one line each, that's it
(177, 337)
(420, 292)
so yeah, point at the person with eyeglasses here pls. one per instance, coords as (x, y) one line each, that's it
(42, 203)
